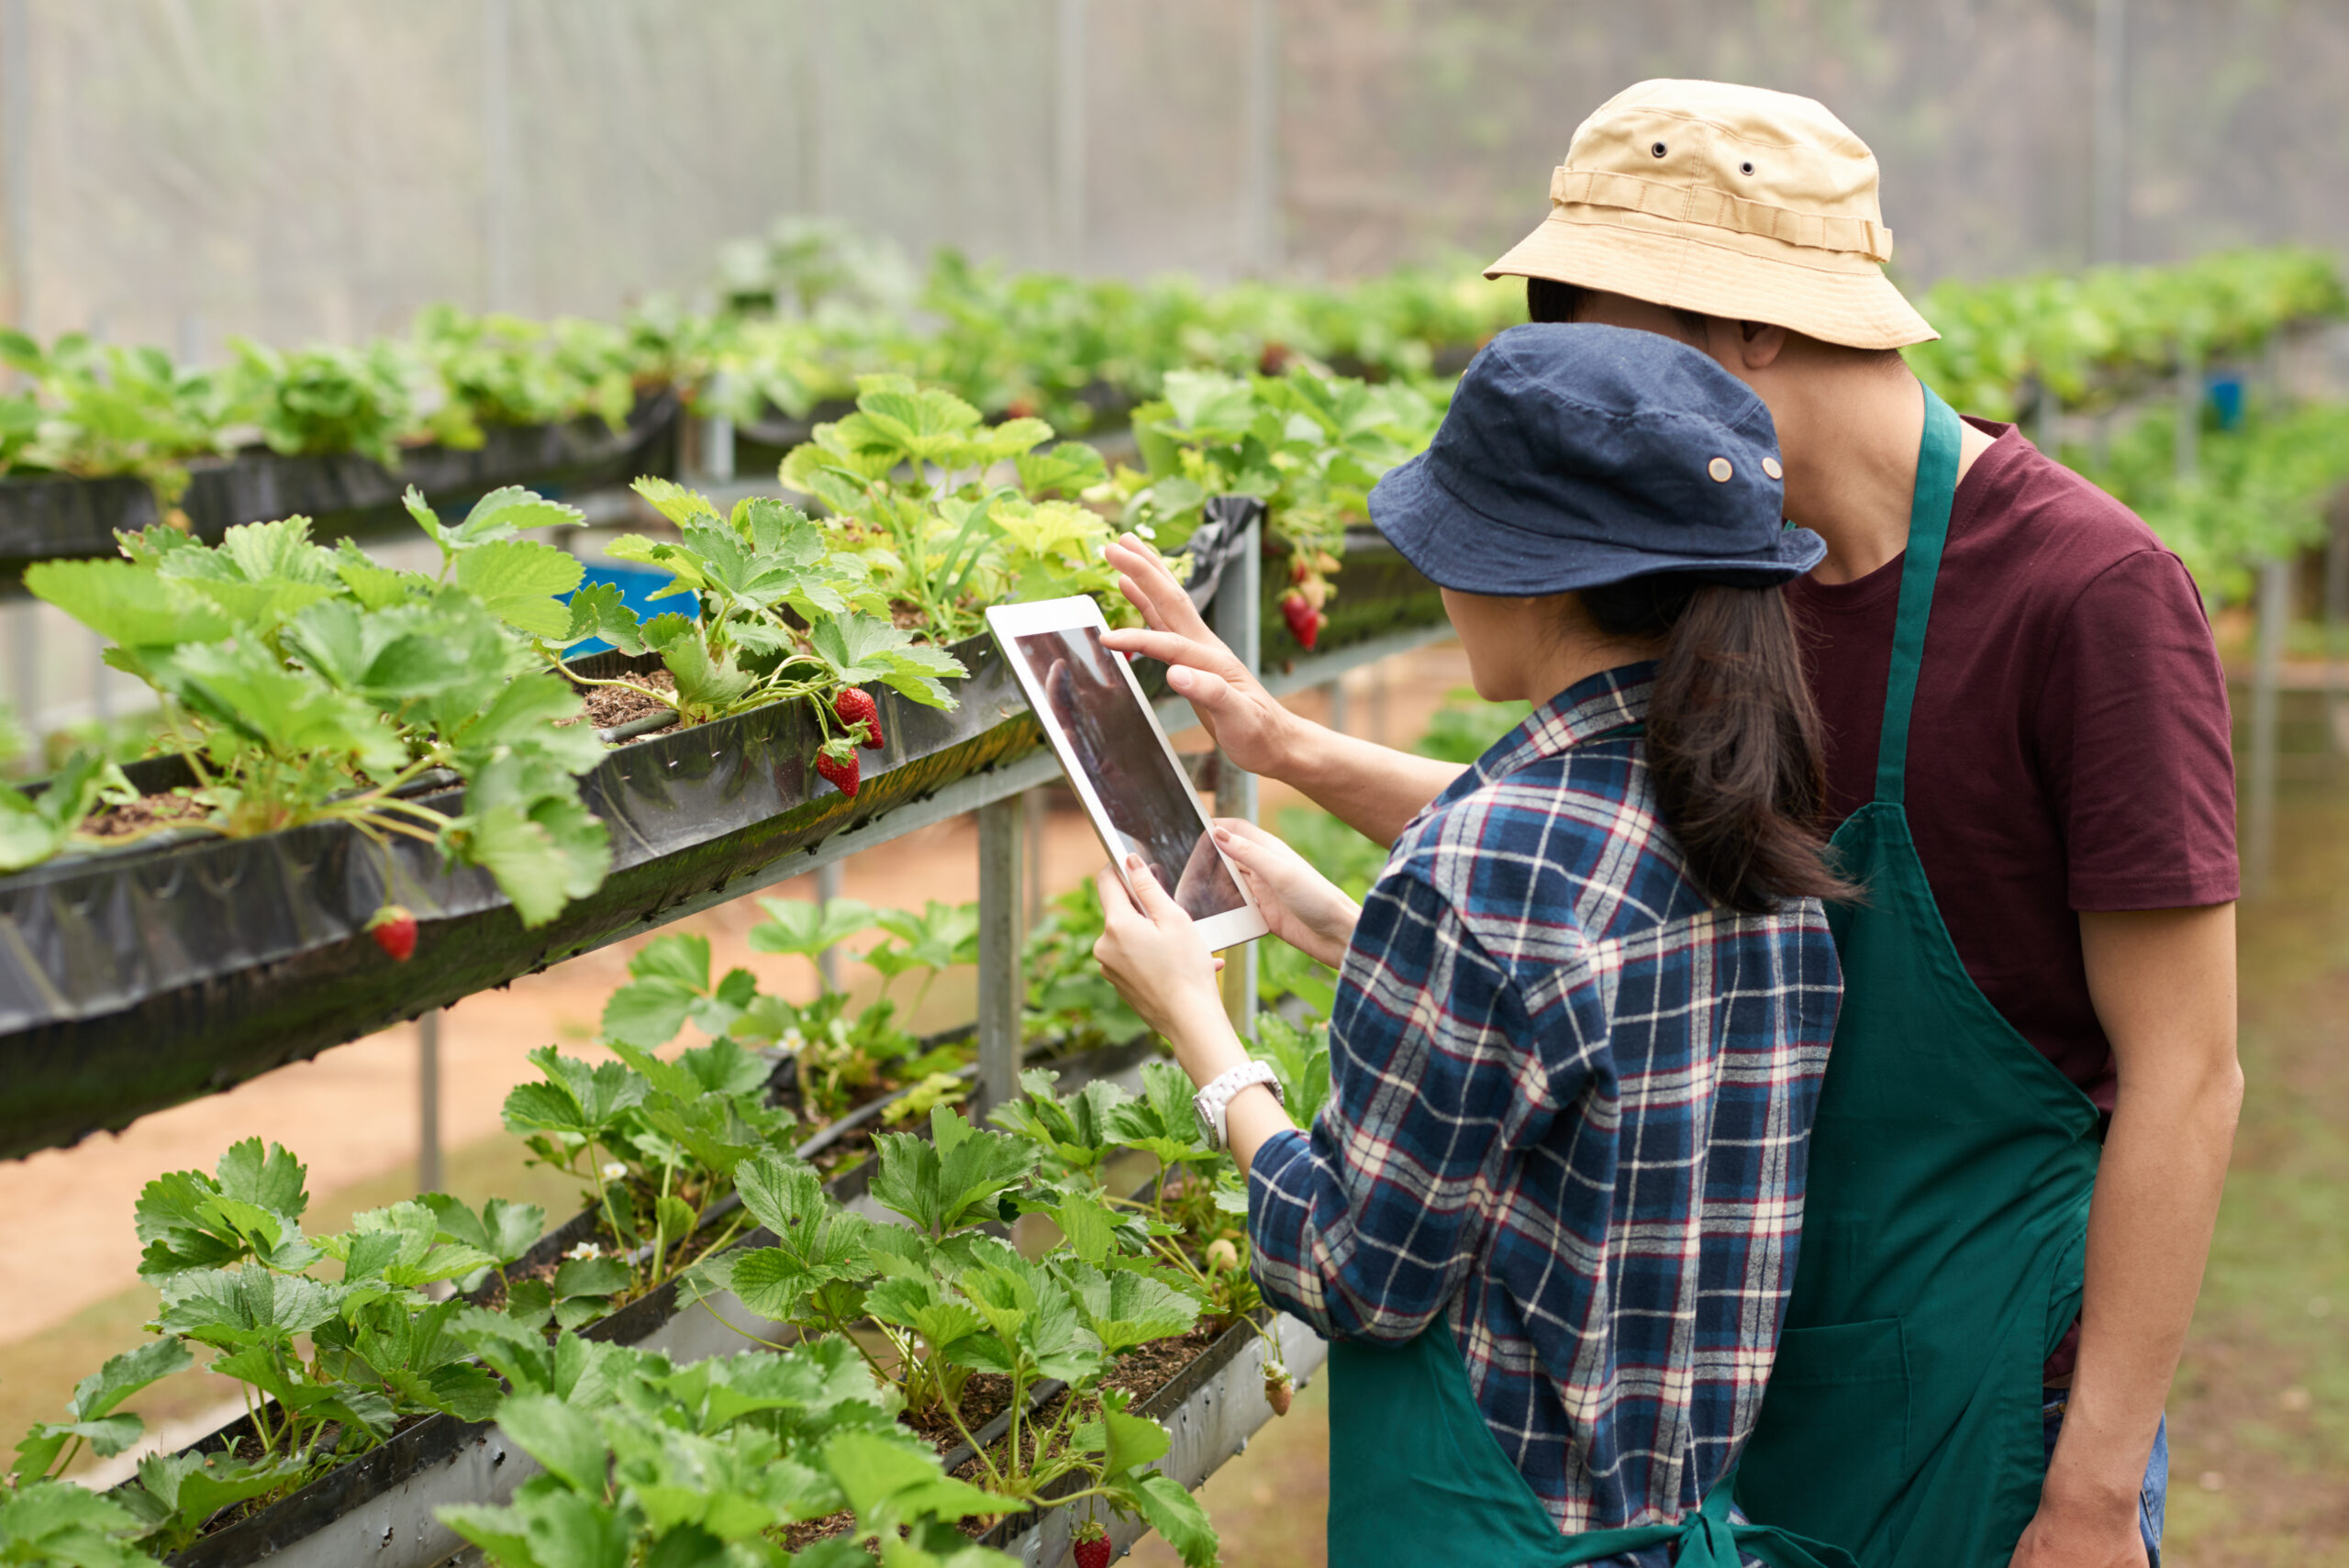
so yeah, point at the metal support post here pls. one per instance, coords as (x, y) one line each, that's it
(1069, 87)
(23, 655)
(1001, 991)
(2336, 625)
(715, 457)
(428, 1173)
(16, 174)
(497, 153)
(813, 83)
(2108, 135)
(1034, 823)
(1260, 215)
(828, 887)
(1238, 613)
(2259, 816)
(2190, 412)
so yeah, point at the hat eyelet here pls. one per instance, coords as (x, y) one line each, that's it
(1771, 466)
(1658, 149)
(1745, 168)
(1720, 471)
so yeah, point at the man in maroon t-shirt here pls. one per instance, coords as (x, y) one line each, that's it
(2069, 786)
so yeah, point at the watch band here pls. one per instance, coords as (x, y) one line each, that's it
(1212, 1103)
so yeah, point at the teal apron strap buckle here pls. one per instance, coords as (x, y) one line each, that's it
(1709, 1537)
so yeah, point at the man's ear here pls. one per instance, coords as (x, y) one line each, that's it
(1760, 344)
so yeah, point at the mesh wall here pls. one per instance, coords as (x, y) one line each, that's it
(196, 168)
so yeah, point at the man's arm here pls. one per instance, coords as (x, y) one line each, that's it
(1376, 790)
(2163, 985)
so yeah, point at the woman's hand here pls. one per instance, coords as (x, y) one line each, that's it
(1304, 908)
(1155, 957)
(1244, 721)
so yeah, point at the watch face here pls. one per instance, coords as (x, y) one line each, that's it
(1206, 1124)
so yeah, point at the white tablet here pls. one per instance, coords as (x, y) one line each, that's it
(1119, 760)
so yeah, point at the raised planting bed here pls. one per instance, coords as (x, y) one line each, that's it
(136, 979)
(377, 1507)
(1210, 1407)
(49, 517)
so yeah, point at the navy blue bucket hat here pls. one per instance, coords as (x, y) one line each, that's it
(1578, 455)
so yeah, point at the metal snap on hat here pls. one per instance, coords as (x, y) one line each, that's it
(1727, 201)
(1578, 455)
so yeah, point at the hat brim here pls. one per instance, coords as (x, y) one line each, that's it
(1746, 277)
(1455, 546)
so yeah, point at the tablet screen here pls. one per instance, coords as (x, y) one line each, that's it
(1117, 745)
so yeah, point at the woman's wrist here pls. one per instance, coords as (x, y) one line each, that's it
(1204, 1044)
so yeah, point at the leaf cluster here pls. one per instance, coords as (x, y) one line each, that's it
(304, 684)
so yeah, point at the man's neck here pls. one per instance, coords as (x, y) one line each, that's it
(1851, 474)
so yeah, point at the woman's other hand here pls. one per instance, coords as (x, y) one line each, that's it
(1304, 908)
(1154, 954)
(1252, 728)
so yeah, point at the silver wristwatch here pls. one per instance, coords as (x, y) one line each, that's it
(1210, 1103)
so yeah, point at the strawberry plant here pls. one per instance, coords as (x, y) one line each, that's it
(949, 1302)
(1311, 445)
(328, 1366)
(649, 1462)
(304, 684)
(780, 617)
(327, 399)
(506, 369)
(109, 409)
(905, 483)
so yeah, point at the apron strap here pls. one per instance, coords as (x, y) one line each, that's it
(1709, 1537)
(1928, 530)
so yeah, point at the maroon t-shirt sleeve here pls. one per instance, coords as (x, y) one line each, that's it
(2133, 730)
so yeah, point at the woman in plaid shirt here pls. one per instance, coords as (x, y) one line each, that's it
(1549, 1215)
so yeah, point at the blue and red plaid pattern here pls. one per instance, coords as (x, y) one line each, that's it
(1571, 1108)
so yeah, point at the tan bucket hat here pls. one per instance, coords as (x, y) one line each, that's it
(1728, 201)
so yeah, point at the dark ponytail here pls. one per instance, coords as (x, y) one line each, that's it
(1732, 737)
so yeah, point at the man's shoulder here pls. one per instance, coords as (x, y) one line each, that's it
(2021, 515)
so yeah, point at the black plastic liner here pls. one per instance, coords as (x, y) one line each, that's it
(49, 517)
(429, 1441)
(136, 979)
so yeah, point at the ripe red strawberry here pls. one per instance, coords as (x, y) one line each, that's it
(1305, 622)
(1273, 360)
(1020, 408)
(1092, 1549)
(1279, 1390)
(393, 930)
(1298, 571)
(837, 764)
(855, 706)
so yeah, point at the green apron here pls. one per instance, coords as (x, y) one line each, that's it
(1417, 1477)
(1946, 1218)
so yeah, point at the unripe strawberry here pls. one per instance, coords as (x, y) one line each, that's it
(1222, 1256)
(1092, 1549)
(1020, 408)
(1279, 1392)
(855, 706)
(1273, 360)
(836, 763)
(393, 930)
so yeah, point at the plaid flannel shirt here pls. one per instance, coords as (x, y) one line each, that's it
(1571, 1104)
